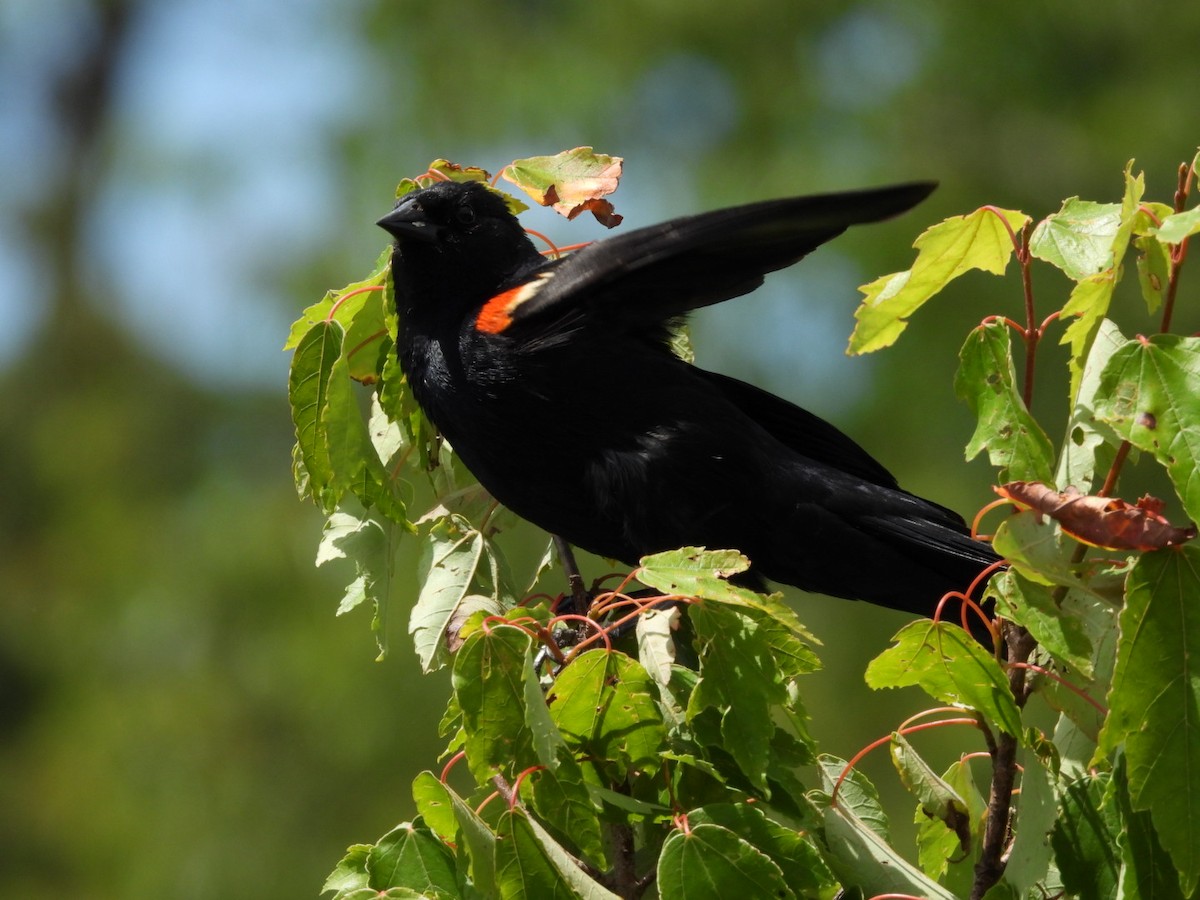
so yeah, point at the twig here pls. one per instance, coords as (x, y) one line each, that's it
(566, 556)
(1004, 770)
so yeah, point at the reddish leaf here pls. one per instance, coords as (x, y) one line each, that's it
(1107, 522)
(571, 182)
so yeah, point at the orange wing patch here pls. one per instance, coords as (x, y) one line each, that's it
(496, 315)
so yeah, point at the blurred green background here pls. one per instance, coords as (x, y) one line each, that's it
(180, 713)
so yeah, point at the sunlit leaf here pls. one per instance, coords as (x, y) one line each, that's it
(571, 182)
(355, 465)
(656, 643)
(435, 805)
(1147, 393)
(1154, 270)
(1089, 444)
(980, 240)
(351, 872)
(1085, 310)
(1032, 606)
(308, 392)
(1078, 238)
(343, 305)
(1179, 226)
(1088, 241)
(604, 704)
(456, 574)
(695, 572)
(949, 665)
(987, 381)
(1037, 548)
(1037, 811)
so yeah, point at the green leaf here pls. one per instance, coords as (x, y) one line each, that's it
(942, 852)
(1154, 703)
(656, 643)
(1147, 393)
(948, 664)
(350, 873)
(709, 861)
(1032, 606)
(740, 681)
(1082, 232)
(370, 544)
(1089, 444)
(530, 863)
(364, 540)
(987, 381)
(1147, 870)
(1154, 270)
(488, 680)
(1038, 550)
(342, 306)
(458, 575)
(856, 794)
(477, 841)
(1078, 238)
(937, 800)
(1179, 226)
(308, 391)
(352, 456)
(563, 800)
(1088, 305)
(798, 860)
(1078, 728)
(859, 855)
(413, 858)
(435, 805)
(695, 572)
(604, 704)
(980, 240)
(1085, 840)
(1037, 812)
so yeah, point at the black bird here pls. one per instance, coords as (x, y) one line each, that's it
(555, 383)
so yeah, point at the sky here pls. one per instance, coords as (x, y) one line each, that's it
(222, 170)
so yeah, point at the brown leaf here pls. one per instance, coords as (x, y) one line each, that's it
(1107, 522)
(571, 182)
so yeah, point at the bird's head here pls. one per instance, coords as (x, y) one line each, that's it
(458, 234)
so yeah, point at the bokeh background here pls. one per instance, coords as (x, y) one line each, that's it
(180, 713)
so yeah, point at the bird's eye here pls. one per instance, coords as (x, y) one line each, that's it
(465, 215)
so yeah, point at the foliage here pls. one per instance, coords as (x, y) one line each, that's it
(605, 760)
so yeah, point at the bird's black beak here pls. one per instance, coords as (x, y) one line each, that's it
(408, 221)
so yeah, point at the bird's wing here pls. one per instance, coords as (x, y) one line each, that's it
(801, 431)
(652, 274)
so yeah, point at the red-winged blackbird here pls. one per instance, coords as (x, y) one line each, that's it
(555, 383)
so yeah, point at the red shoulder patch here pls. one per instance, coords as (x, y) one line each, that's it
(497, 314)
